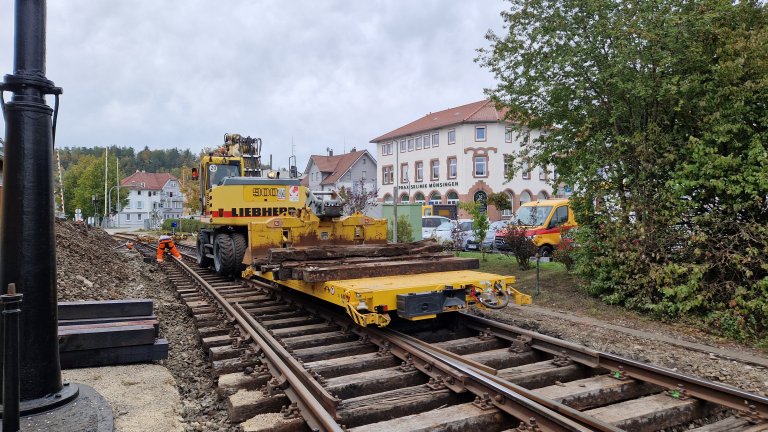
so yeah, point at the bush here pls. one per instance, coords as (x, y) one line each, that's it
(520, 246)
(404, 230)
(564, 251)
(184, 225)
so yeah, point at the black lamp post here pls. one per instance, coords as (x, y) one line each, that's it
(27, 236)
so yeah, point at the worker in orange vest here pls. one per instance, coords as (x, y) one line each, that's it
(165, 242)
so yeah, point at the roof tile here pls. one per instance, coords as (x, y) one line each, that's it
(481, 111)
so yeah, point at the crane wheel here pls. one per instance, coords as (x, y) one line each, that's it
(203, 260)
(224, 259)
(240, 245)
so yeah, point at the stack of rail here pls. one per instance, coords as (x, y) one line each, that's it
(104, 333)
(328, 263)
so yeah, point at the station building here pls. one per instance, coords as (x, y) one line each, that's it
(458, 155)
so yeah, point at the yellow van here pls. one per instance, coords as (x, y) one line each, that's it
(544, 221)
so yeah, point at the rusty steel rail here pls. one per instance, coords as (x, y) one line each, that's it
(751, 405)
(317, 406)
(490, 390)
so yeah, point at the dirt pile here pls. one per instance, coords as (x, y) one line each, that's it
(93, 266)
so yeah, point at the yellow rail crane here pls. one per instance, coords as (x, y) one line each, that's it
(264, 224)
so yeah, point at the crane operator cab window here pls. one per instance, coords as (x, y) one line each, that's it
(218, 172)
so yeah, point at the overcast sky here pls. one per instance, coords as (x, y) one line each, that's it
(319, 73)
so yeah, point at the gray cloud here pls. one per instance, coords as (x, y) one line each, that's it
(320, 73)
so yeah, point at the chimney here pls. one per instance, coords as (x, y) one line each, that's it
(354, 149)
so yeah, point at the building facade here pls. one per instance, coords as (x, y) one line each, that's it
(458, 155)
(152, 198)
(352, 171)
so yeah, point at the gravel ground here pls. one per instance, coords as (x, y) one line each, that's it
(92, 266)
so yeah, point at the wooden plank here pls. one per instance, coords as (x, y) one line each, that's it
(465, 417)
(105, 337)
(391, 268)
(113, 324)
(104, 309)
(84, 321)
(651, 413)
(115, 355)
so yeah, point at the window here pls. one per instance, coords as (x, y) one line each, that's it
(527, 169)
(511, 197)
(364, 175)
(127, 216)
(481, 166)
(389, 147)
(426, 141)
(418, 198)
(364, 159)
(508, 160)
(525, 197)
(140, 205)
(508, 134)
(402, 146)
(543, 195)
(410, 144)
(451, 136)
(554, 173)
(542, 173)
(387, 174)
(404, 198)
(404, 173)
(479, 133)
(451, 167)
(388, 199)
(435, 169)
(435, 198)
(170, 194)
(419, 171)
(383, 149)
(138, 216)
(452, 197)
(435, 139)
(560, 217)
(418, 143)
(138, 192)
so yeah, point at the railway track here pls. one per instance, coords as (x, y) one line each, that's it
(278, 351)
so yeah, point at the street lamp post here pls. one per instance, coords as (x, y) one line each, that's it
(109, 203)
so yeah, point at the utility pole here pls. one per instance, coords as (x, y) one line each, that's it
(106, 177)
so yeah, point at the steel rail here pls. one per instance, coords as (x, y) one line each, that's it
(525, 404)
(755, 406)
(311, 397)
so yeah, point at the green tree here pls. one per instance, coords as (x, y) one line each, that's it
(480, 223)
(84, 186)
(656, 112)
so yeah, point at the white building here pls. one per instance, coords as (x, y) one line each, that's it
(351, 170)
(152, 198)
(457, 155)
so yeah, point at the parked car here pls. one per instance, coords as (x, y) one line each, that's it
(430, 223)
(490, 236)
(543, 221)
(458, 232)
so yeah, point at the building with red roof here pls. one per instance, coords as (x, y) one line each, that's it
(458, 154)
(152, 198)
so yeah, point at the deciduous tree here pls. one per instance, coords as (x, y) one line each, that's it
(655, 112)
